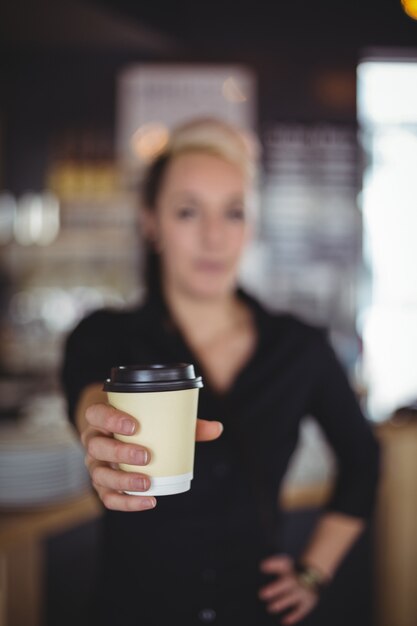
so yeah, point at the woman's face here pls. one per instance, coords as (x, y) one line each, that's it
(200, 224)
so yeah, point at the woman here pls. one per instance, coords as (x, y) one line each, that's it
(211, 555)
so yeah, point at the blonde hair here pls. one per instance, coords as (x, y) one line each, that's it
(217, 137)
(206, 135)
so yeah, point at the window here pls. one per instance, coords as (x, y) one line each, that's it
(387, 111)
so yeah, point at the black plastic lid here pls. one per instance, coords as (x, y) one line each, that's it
(152, 377)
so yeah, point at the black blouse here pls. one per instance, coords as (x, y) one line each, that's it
(293, 372)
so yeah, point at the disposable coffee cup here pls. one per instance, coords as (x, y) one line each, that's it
(163, 398)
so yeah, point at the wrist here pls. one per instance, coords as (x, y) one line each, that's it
(311, 578)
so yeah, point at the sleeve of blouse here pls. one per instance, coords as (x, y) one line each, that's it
(350, 435)
(89, 353)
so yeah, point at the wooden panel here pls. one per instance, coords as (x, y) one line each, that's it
(3, 589)
(21, 567)
(24, 577)
(396, 528)
(15, 525)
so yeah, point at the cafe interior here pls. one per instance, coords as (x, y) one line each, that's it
(89, 92)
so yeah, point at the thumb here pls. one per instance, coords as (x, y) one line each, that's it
(279, 564)
(208, 430)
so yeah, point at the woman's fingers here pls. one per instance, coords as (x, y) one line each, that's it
(300, 600)
(306, 601)
(110, 482)
(281, 564)
(207, 430)
(104, 453)
(120, 502)
(111, 420)
(289, 600)
(114, 451)
(105, 476)
(286, 592)
(296, 615)
(277, 588)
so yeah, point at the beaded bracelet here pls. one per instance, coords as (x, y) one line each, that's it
(310, 578)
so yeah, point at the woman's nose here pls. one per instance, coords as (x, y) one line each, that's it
(212, 232)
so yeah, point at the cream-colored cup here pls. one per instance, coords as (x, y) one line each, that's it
(163, 398)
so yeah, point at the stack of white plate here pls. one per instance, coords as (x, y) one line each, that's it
(41, 459)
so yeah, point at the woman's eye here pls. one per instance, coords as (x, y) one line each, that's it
(184, 213)
(236, 213)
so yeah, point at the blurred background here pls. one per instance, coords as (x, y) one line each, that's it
(89, 91)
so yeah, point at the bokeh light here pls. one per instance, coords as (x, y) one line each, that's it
(149, 140)
(232, 92)
(410, 7)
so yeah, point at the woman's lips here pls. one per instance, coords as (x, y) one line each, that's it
(210, 266)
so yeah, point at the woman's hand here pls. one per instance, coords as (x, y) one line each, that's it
(286, 593)
(104, 453)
